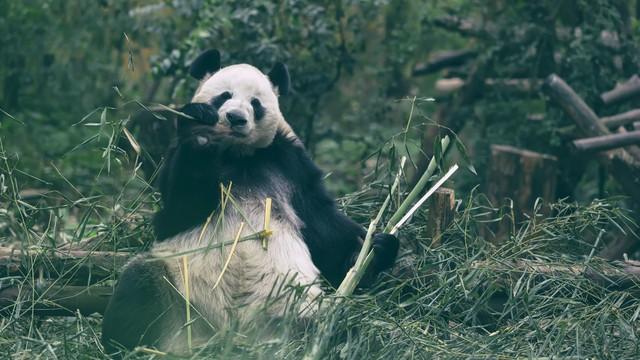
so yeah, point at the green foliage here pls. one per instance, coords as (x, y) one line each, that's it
(590, 44)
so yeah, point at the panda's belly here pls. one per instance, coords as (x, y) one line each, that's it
(254, 276)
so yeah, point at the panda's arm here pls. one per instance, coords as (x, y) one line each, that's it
(333, 239)
(188, 184)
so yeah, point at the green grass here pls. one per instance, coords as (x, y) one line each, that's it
(465, 298)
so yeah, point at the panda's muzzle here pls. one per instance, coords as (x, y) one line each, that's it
(237, 122)
(236, 119)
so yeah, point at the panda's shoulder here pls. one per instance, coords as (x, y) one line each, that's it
(294, 160)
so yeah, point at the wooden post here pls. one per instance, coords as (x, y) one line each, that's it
(441, 212)
(522, 176)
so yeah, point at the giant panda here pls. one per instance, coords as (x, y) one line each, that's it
(233, 135)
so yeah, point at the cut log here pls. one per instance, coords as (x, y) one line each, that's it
(465, 27)
(54, 300)
(608, 142)
(510, 86)
(624, 167)
(441, 213)
(622, 244)
(633, 150)
(615, 275)
(522, 176)
(449, 85)
(77, 264)
(618, 120)
(636, 125)
(444, 60)
(622, 92)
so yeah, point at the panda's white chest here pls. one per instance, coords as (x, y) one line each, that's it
(236, 281)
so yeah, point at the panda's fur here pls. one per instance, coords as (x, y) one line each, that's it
(258, 157)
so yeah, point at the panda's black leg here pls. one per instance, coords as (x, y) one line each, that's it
(143, 310)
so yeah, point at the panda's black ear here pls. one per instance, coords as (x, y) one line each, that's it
(279, 76)
(206, 63)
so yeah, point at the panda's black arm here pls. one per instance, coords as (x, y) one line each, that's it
(188, 184)
(333, 239)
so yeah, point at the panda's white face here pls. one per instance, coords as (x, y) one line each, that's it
(248, 110)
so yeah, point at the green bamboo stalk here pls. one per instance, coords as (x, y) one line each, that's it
(365, 256)
(352, 278)
(417, 190)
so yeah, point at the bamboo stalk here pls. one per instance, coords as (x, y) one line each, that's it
(356, 273)
(267, 222)
(187, 301)
(417, 189)
(352, 278)
(417, 205)
(233, 249)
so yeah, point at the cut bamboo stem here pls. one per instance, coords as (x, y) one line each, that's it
(354, 275)
(187, 301)
(438, 184)
(233, 249)
(267, 222)
(418, 188)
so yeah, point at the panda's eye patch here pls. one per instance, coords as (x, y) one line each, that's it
(220, 99)
(258, 109)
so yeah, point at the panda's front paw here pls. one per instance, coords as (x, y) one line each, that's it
(200, 113)
(197, 142)
(385, 247)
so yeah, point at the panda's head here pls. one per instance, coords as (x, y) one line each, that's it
(242, 100)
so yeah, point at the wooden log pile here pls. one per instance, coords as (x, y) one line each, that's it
(621, 158)
(624, 163)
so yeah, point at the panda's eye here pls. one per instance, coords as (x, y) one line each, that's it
(258, 109)
(221, 99)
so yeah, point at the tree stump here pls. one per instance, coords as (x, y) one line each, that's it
(441, 212)
(522, 176)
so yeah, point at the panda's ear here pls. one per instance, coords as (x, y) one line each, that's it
(206, 63)
(279, 76)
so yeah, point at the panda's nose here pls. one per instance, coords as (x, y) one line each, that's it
(236, 119)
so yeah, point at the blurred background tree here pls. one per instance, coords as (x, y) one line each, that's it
(354, 66)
